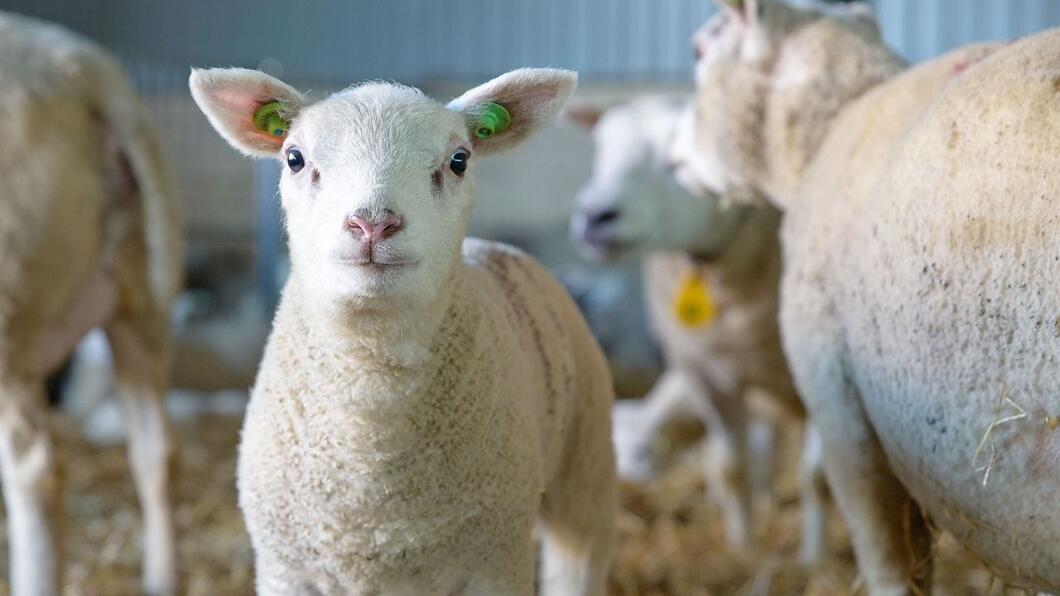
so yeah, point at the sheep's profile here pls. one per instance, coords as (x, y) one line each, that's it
(919, 309)
(88, 238)
(635, 206)
(423, 400)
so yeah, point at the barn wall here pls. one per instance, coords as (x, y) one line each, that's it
(631, 45)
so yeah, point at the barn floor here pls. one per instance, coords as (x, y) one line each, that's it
(670, 537)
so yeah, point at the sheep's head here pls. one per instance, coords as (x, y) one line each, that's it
(378, 179)
(633, 203)
(769, 78)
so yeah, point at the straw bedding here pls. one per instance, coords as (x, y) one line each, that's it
(670, 536)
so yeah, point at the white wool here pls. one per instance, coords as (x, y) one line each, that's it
(421, 405)
(918, 311)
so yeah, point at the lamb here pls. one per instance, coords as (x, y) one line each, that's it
(917, 313)
(420, 404)
(634, 206)
(88, 238)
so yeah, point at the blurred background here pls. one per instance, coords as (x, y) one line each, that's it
(620, 47)
(235, 252)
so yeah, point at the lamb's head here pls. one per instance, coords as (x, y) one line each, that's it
(769, 79)
(633, 204)
(377, 179)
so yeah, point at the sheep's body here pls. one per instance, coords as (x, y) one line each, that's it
(713, 369)
(358, 479)
(951, 307)
(87, 239)
(918, 314)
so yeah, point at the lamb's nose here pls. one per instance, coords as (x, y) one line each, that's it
(374, 231)
(604, 217)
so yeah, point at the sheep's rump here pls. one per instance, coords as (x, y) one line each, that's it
(939, 250)
(82, 172)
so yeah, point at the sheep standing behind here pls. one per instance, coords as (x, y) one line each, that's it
(919, 307)
(634, 206)
(88, 238)
(420, 405)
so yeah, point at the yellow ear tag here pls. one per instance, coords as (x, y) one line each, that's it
(693, 305)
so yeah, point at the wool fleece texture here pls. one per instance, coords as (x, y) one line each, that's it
(918, 305)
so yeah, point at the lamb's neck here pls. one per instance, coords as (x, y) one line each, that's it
(390, 334)
(752, 250)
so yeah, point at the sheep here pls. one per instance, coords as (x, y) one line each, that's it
(89, 238)
(422, 398)
(634, 206)
(917, 312)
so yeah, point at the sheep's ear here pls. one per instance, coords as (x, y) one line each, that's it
(250, 109)
(585, 114)
(506, 110)
(748, 10)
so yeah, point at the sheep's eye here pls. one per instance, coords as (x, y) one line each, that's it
(458, 162)
(295, 161)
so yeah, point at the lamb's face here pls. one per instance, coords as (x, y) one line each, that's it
(733, 52)
(633, 205)
(376, 190)
(745, 63)
(377, 179)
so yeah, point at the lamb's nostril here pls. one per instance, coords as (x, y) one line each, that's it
(359, 227)
(389, 226)
(377, 231)
(603, 217)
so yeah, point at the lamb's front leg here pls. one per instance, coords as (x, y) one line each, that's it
(31, 490)
(727, 462)
(637, 424)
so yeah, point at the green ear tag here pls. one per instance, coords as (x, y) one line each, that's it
(493, 119)
(267, 118)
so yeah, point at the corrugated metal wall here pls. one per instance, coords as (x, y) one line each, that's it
(920, 29)
(418, 40)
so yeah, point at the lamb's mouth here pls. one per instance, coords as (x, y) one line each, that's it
(607, 249)
(374, 265)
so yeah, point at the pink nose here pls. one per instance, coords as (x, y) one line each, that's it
(374, 231)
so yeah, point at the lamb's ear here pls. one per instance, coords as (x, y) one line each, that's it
(584, 113)
(748, 10)
(503, 112)
(250, 109)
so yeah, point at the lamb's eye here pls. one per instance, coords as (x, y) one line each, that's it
(295, 161)
(458, 162)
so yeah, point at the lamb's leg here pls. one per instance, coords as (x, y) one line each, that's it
(726, 464)
(140, 371)
(762, 442)
(890, 536)
(31, 491)
(814, 497)
(637, 424)
(578, 513)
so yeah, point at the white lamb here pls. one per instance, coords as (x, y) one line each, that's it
(634, 206)
(919, 303)
(420, 405)
(88, 238)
